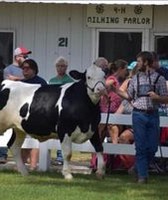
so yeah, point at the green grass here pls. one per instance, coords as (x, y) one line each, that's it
(52, 186)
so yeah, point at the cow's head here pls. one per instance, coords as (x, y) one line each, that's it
(94, 79)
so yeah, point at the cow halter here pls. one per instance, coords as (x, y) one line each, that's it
(92, 89)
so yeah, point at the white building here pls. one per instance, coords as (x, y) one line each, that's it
(82, 30)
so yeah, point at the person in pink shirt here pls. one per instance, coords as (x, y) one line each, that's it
(117, 73)
(111, 102)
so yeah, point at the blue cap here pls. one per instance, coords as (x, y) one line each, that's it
(163, 63)
(132, 65)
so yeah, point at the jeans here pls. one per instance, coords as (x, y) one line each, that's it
(3, 152)
(146, 135)
(59, 156)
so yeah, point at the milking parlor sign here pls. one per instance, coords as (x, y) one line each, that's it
(119, 16)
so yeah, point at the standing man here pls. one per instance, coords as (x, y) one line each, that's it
(145, 115)
(61, 77)
(14, 72)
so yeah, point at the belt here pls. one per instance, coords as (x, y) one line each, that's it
(150, 111)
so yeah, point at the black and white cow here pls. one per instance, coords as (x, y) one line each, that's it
(69, 112)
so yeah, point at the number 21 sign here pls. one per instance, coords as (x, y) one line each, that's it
(63, 42)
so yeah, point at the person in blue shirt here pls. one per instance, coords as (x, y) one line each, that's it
(13, 72)
(30, 71)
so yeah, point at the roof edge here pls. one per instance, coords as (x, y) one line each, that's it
(128, 2)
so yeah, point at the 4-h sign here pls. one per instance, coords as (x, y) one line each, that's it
(119, 16)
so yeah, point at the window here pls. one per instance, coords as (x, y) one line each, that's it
(6, 46)
(120, 45)
(161, 47)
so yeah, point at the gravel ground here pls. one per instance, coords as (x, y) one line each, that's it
(79, 164)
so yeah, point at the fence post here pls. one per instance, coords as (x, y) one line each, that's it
(44, 156)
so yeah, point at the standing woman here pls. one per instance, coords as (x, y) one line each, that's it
(117, 74)
(110, 102)
(30, 71)
(61, 77)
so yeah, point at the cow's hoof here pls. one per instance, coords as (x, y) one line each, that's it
(67, 174)
(25, 173)
(68, 177)
(99, 175)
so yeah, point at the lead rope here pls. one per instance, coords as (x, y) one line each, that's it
(108, 115)
(109, 161)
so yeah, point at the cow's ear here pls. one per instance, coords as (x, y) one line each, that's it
(77, 75)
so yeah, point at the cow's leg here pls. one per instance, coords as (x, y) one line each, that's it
(16, 151)
(95, 141)
(66, 146)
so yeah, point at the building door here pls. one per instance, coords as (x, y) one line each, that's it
(120, 44)
(6, 46)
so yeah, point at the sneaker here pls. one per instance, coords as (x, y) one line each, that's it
(3, 160)
(142, 180)
(57, 162)
(133, 172)
(59, 159)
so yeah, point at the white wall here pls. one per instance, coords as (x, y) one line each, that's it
(38, 27)
(160, 19)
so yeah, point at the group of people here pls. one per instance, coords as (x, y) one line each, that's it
(26, 70)
(140, 92)
(118, 75)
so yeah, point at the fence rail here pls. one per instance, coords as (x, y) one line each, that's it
(45, 147)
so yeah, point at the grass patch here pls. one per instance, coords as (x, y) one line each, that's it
(52, 186)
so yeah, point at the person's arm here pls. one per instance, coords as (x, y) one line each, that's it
(122, 94)
(124, 85)
(161, 96)
(9, 75)
(158, 98)
(14, 78)
(111, 84)
(120, 109)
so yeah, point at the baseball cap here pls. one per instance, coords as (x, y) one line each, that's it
(132, 65)
(21, 51)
